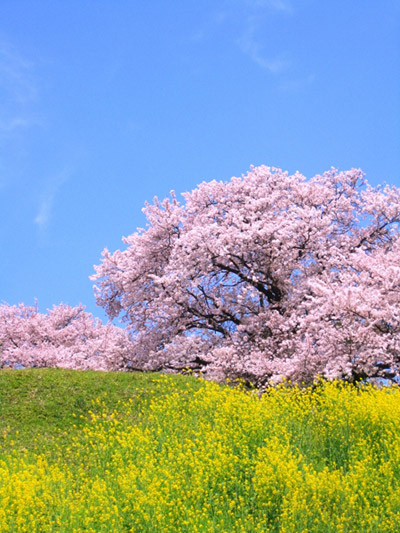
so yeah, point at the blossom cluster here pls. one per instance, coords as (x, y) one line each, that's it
(265, 277)
(65, 337)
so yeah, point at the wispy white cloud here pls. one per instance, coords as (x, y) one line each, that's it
(297, 84)
(254, 43)
(18, 91)
(245, 21)
(198, 35)
(47, 198)
(16, 75)
(251, 46)
(277, 5)
(15, 124)
(43, 216)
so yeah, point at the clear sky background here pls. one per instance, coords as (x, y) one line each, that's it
(106, 103)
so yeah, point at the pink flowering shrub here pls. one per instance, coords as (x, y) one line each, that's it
(65, 337)
(264, 277)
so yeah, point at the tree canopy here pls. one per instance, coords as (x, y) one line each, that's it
(65, 337)
(265, 277)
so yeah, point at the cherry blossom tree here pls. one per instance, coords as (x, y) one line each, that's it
(65, 337)
(264, 277)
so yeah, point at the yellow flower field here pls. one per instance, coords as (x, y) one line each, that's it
(322, 459)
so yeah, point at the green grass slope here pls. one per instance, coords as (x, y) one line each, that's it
(119, 452)
(37, 405)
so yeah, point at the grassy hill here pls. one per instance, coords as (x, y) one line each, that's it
(38, 404)
(87, 451)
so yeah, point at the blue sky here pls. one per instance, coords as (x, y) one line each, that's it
(105, 104)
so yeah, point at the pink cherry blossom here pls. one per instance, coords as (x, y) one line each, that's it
(265, 277)
(65, 337)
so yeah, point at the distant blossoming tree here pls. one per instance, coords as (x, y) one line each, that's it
(264, 277)
(65, 337)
